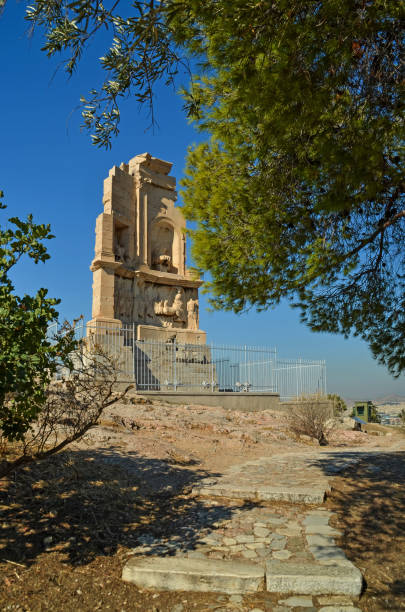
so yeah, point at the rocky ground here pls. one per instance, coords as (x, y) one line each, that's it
(69, 524)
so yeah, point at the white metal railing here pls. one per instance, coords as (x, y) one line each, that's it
(170, 366)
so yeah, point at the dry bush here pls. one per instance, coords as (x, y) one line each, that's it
(72, 407)
(176, 458)
(312, 416)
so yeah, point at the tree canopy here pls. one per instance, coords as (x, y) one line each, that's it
(299, 191)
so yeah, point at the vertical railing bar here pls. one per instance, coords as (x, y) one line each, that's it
(155, 361)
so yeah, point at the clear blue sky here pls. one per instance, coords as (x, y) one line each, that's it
(49, 168)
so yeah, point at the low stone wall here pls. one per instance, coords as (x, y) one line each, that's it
(246, 402)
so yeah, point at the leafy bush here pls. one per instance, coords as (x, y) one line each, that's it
(339, 405)
(28, 358)
(71, 407)
(39, 416)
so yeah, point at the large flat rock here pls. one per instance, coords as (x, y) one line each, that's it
(178, 574)
(313, 579)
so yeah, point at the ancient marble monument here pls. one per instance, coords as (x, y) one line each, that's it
(139, 268)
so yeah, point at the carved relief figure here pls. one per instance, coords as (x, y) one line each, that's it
(192, 314)
(176, 311)
(156, 304)
(179, 306)
(163, 261)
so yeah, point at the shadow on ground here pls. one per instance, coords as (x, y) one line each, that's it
(86, 504)
(368, 498)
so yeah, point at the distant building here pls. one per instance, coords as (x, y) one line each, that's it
(366, 411)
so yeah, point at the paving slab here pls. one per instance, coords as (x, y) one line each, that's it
(322, 530)
(297, 601)
(312, 579)
(329, 555)
(317, 519)
(175, 574)
(320, 540)
(334, 600)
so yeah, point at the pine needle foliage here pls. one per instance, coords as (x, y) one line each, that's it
(298, 193)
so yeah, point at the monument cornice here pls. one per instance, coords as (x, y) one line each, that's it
(144, 177)
(155, 276)
(98, 263)
(165, 278)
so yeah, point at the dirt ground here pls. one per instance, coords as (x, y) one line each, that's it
(69, 524)
(369, 500)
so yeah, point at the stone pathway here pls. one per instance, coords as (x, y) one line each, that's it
(293, 478)
(261, 544)
(246, 533)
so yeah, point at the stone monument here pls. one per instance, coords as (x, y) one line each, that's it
(139, 269)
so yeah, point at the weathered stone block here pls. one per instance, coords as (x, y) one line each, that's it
(176, 574)
(312, 579)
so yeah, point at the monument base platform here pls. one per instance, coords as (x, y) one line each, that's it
(103, 323)
(244, 402)
(171, 334)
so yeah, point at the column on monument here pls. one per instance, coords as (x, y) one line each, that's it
(132, 230)
(145, 229)
(103, 267)
(105, 237)
(182, 254)
(103, 293)
(142, 226)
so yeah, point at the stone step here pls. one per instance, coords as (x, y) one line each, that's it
(295, 495)
(313, 579)
(236, 577)
(181, 574)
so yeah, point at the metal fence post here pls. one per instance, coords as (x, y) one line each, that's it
(212, 368)
(174, 366)
(133, 352)
(300, 379)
